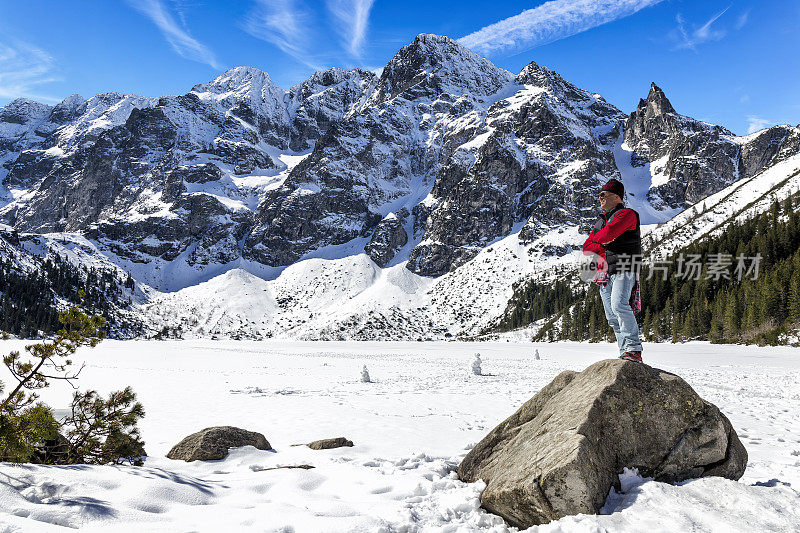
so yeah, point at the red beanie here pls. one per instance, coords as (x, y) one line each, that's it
(614, 186)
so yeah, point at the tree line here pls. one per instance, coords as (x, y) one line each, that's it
(721, 308)
(30, 300)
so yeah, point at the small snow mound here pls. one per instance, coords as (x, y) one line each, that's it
(476, 365)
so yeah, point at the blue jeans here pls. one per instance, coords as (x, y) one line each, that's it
(616, 302)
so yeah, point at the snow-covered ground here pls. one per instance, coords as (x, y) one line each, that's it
(411, 427)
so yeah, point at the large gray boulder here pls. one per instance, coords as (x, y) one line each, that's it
(213, 443)
(562, 451)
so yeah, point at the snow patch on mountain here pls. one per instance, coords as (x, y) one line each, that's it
(350, 297)
(638, 182)
(739, 201)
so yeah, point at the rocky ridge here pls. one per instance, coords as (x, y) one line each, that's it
(424, 166)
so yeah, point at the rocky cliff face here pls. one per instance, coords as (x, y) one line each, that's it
(157, 178)
(693, 159)
(427, 164)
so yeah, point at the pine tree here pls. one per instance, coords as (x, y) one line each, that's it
(715, 334)
(794, 293)
(647, 324)
(674, 322)
(28, 428)
(772, 297)
(730, 318)
(566, 325)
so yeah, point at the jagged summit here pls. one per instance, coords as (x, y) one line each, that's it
(436, 47)
(438, 63)
(533, 73)
(238, 83)
(72, 101)
(68, 109)
(542, 77)
(21, 110)
(691, 159)
(331, 76)
(22, 102)
(656, 102)
(238, 76)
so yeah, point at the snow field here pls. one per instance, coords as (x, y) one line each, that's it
(411, 426)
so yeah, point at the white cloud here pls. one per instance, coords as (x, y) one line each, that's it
(352, 17)
(285, 24)
(176, 34)
(702, 34)
(23, 69)
(549, 22)
(756, 123)
(742, 20)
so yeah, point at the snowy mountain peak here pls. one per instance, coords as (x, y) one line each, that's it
(435, 64)
(68, 109)
(656, 102)
(236, 77)
(72, 101)
(437, 46)
(690, 159)
(535, 74)
(551, 81)
(23, 110)
(239, 83)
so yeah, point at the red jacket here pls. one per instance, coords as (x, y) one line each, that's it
(621, 221)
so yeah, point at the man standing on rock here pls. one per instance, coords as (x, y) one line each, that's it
(616, 241)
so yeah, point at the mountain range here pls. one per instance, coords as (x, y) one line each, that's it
(356, 205)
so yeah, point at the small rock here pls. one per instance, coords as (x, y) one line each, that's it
(212, 443)
(255, 468)
(327, 444)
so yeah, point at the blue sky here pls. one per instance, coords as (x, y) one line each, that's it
(733, 62)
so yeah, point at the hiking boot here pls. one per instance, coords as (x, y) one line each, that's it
(632, 356)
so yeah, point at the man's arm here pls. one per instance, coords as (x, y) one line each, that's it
(621, 222)
(592, 246)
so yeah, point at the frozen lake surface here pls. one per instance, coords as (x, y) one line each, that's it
(410, 427)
